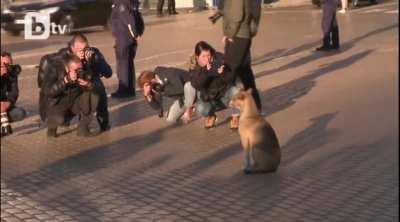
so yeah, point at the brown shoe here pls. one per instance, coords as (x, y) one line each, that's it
(210, 122)
(234, 124)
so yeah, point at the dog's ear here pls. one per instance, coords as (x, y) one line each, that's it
(249, 91)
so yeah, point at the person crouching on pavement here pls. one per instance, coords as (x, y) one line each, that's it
(9, 94)
(94, 60)
(169, 82)
(329, 26)
(215, 83)
(68, 88)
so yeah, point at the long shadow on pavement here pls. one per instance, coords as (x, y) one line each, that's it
(177, 189)
(317, 55)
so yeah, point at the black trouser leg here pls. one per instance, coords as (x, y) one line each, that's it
(248, 80)
(335, 33)
(102, 106)
(160, 6)
(125, 54)
(238, 58)
(171, 7)
(132, 74)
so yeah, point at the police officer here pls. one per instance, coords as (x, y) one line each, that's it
(171, 7)
(330, 26)
(126, 33)
(92, 59)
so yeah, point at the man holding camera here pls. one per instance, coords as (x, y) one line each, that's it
(92, 60)
(169, 82)
(68, 88)
(9, 94)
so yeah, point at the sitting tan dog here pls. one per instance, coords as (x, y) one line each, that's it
(261, 146)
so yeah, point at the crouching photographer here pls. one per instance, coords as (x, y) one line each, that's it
(9, 94)
(173, 83)
(68, 90)
(92, 59)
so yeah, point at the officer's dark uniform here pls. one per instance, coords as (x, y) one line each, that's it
(171, 7)
(125, 45)
(100, 68)
(329, 26)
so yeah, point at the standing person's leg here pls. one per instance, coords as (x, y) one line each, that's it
(335, 33)
(131, 72)
(122, 56)
(326, 25)
(160, 6)
(238, 58)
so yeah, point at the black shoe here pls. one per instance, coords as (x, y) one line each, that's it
(104, 127)
(335, 47)
(86, 133)
(52, 133)
(173, 13)
(323, 48)
(122, 95)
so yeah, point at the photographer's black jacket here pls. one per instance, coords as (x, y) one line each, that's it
(9, 88)
(54, 87)
(174, 80)
(98, 65)
(210, 83)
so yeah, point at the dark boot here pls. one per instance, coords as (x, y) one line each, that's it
(103, 123)
(160, 8)
(52, 132)
(326, 44)
(335, 38)
(83, 126)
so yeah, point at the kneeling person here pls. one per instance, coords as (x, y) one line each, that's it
(169, 82)
(9, 94)
(68, 89)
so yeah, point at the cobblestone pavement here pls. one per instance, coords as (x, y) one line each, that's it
(335, 115)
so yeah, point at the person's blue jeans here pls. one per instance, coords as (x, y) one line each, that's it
(16, 114)
(206, 109)
(176, 110)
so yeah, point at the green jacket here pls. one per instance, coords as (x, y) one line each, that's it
(241, 18)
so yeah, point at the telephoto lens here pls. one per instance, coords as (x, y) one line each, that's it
(5, 125)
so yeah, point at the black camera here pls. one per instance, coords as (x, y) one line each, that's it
(84, 74)
(157, 87)
(5, 125)
(14, 69)
(214, 18)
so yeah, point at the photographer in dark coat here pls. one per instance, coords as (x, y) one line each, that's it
(68, 89)
(9, 94)
(92, 59)
(169, 82)
(215, 83)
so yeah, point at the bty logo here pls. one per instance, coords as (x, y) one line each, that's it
(37, 26)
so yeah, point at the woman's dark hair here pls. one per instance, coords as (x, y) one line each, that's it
(203, 46)
(5, 54)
